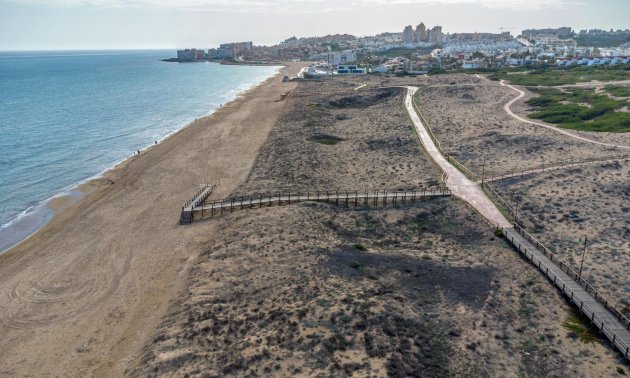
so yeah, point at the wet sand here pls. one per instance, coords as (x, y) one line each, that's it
(80, 296)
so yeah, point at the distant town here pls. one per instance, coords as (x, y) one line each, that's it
(423, 49)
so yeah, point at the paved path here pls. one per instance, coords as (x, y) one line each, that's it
(613, 328)
(556, 129)
(460, 185)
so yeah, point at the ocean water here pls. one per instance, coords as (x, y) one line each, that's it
(66, 117)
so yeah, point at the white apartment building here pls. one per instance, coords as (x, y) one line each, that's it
(337, 58)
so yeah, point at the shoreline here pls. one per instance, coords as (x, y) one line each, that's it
(32, 219)
(85, 293)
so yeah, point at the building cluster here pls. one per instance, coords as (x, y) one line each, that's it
(340, 57)
(422, 34)
(232, 50)
(325, 69)
(479, 37)
(420, 49)
(191, 55)
(592, 61)
(558, 37)
(564, 32)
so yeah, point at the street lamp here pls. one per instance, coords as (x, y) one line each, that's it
(585, 238)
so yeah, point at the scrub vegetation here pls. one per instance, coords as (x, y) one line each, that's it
(581, 109)
(551, 76)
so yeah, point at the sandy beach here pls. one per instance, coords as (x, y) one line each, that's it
(316, 290)
(114, 286)
(79, 297)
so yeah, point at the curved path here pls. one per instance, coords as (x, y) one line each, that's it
(609, 322)
(556, 129)
(460, 185)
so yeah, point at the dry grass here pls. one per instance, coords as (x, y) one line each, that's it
(592, 201)
(471, 124)
(284, 291)
(318, 290)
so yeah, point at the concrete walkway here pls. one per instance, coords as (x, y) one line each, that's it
(615, 329)
(460, 185)
(521, 94)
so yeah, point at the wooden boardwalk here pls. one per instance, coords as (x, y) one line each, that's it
(187, 214)
(606, 318)
(340, 198)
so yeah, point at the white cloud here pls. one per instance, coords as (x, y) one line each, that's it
(279, 6)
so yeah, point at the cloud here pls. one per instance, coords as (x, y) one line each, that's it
(280, 6)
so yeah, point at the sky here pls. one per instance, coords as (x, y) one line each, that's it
(172, 24)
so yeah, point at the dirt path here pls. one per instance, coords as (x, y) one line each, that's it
(521, 94)
(459, 184)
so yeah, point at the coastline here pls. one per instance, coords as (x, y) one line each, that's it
(34, 218)
(85, 292)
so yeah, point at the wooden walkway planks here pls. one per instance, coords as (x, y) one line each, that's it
(187, 214)
(610, 322)
(340, 198)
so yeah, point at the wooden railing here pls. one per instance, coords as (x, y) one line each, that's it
(556, 166)
(349, 198)
(465, 170)
(596, 319)
(187, 214)
(567, 269)
(517, 225)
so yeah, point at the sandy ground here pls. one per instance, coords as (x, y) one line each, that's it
(80, 297)
(591, 201)
(114, 286)
(288, 292)
(471, 124)
(319, 290)
(560, 206)
(375, 144)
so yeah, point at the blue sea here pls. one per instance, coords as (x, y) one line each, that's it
(66, 117)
